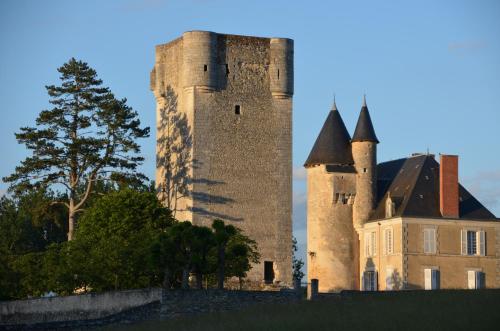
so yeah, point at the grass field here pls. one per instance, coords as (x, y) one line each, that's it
(419, 310)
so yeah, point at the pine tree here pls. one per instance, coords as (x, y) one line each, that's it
(87, 136)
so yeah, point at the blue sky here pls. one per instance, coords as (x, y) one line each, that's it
(430, 69)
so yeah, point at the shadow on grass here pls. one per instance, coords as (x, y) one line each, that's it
(410, 310)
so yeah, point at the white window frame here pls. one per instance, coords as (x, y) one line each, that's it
(480, 242)
(431, 278)
(388, 241)
(430, 246)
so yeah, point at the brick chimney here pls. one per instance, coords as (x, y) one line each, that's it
(448, 186)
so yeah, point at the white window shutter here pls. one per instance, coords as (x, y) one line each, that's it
(471, 279)
(428, 279)
(374, 243)
(433, 241)
(389, 281)
(482, 243)
(464, 242)
(367, 244)
(426, 241)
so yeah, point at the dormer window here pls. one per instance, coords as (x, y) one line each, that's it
(390, 208)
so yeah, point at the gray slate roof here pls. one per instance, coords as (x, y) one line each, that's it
(333, 144)
(364, 128)
(413, 184)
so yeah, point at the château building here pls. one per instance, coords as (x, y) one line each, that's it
(402, 224)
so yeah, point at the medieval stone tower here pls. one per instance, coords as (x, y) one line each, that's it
(236, 93)
(341, 193)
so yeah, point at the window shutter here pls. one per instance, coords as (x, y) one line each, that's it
(389, 281)
(481, 242)
(374, 244)
(464, 242)
(471, 279)
(435, 279)
(363, 281)
(375, 281)
(426, 241)
(478, 280)
(367, 244)
(432, 244)
(428, 279)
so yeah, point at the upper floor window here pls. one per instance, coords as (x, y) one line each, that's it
(430, 241)
(473, 242)
(370, 244)
(388, 241)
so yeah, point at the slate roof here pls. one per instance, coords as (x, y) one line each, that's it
(364, 128)
(333, 145)
(413, 184)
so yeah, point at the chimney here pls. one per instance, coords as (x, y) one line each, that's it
(448, 186)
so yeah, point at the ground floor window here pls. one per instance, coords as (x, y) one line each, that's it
(475, 279)
(431, 279)
(370, 281)
(268, 272)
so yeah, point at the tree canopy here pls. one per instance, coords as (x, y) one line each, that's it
(88, 135)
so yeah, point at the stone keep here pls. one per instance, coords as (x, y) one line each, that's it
(236, 92)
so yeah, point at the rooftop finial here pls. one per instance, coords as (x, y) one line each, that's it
(364, 100)
(334, 107)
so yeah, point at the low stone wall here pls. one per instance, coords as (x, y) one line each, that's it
(128, 306)
(178, 303)
(85, 307)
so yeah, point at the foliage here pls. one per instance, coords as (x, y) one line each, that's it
(297, 263)
(116, 234)
(88, 135)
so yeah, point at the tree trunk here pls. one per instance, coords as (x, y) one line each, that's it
(71, 220)
(199, 280)
(220, 269)
(166, 279)
(185, 277)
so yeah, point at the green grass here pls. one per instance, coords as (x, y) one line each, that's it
(420, 310)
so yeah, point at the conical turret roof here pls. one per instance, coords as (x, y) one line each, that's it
(364, 128)
(333, 143)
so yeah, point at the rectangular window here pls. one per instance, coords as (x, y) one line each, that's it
(431, 279)
(430, 241)
(388, 241)
(370, 280)
(268, 272)
(475, 280)
(237, 109)
(473, 242)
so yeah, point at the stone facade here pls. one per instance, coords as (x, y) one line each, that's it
(404, 266)
(236, 93)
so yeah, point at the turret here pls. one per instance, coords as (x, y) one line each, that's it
(281, 67)
(330, 195)
(364, 152)
(199, 68)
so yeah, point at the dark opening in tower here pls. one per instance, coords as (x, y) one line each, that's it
(268, 272)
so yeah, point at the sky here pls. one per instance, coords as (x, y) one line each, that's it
(430, 70)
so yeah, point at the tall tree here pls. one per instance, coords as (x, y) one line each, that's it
(88, 135)
(222, 235)
(174, 152)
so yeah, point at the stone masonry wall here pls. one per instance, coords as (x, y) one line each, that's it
(242, 171)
